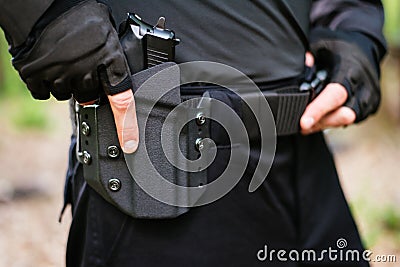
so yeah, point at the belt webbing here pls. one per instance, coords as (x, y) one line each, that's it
(287, 106)
(288, 109)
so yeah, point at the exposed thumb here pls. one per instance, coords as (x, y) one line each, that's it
(124, 110)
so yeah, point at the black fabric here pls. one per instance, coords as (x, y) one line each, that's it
(299, 206)
(18, 17)
(262, 36)
(56, 9)
(340, 54)
(66, 57)
(362, 16)
(257, 37)
(72, 168)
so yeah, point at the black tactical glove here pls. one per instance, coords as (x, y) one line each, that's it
(351, 62)
(77, 53)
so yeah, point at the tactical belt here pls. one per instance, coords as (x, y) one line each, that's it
(287, 104)
(105, 169)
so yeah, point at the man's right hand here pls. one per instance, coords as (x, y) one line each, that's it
(123, 107)
(79, 54)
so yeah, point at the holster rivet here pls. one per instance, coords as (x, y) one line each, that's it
(199, 144)
(85, 129)
(114, 185)
(113, 152)
(200, 119)
(87, 158)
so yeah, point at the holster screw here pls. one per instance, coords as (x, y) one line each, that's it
(200, 119)
(113, 152)
(199, 144)
(85, 129)
(114, 185)
(87, 158)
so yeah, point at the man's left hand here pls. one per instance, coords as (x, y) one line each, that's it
(326, 110)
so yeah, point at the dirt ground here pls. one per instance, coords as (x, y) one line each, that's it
(32, 169)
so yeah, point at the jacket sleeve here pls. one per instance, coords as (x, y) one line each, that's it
(46, 55)
(17, 18)
(346, 38)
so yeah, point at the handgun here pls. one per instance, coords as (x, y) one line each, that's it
(316, 84)
(156, 43)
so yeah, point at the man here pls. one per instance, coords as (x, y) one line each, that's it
(71, 48)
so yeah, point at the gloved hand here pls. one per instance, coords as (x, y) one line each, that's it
(79, 54)
(351, 62)
(353, 91)
(326, 110)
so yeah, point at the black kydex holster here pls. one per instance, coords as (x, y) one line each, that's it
(105, 168)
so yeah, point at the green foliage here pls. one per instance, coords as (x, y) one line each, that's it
(392, 21)
(368, 214)
(30, 115)
(391, 219)
(10, 82)
(377, 222)
(16, 104)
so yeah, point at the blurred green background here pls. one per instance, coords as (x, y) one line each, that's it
(367, 157)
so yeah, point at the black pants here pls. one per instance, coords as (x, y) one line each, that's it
(300, 206)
